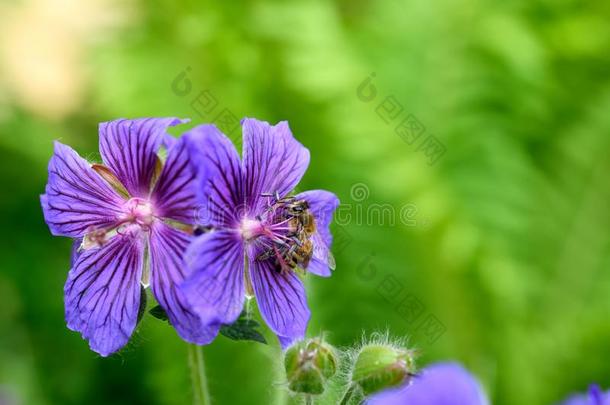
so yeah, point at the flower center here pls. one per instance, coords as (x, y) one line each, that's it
(250, 228)
(140, 211)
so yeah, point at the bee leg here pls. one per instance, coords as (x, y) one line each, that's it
(296, 240)
(281, 266)
(278, 268)
(265, 255)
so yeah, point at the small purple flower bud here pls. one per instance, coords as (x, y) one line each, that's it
(309, 364)
(380, 366)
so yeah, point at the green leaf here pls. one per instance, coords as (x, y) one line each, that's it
(159, 313)
(243, 329)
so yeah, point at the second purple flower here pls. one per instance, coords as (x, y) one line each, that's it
(258, 236)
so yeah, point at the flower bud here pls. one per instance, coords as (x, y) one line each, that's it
(382, 366)
(309, 364)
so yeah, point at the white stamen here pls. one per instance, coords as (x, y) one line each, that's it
(140, 211)
(250, 228)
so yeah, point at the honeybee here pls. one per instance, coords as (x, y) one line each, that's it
(303, 225)
(298, 254)
(307, 224)
(302, 219)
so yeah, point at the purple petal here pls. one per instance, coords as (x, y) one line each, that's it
(168, 271)
(318, 264)
(281, 299)
(174, 195)
(102, 294)
(438, 384)
(274, 161)
(285, 342)
(77, 199)
(169, 141)
(129, 148)
(322, 205)
(75, 251)
(219, 175)
(216, 288)
(595, 396)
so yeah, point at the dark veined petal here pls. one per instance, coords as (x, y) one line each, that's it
(77, 199)
(76, 251)
(102, 294)
(273, 161)
(322, 205)
(174, 195)
(168, 271)
(129, 148)
(281, 298)
(438, 384)
(216, 287)
(219, 176)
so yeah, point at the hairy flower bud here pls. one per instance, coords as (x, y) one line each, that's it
(309, 364)
(381, 366)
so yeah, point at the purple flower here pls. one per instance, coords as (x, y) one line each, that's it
(438, 384)
(260, 236)
(595, 396)
(131, 219)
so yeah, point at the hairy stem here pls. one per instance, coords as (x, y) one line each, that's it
(352, 396)
(201, 394)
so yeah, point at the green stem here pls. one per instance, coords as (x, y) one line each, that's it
(201, 394)
(353, 395)
(281, 393)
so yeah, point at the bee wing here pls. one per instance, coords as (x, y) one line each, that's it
(322, 252)
(331, 260)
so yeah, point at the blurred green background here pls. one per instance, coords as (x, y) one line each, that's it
(504, 242)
